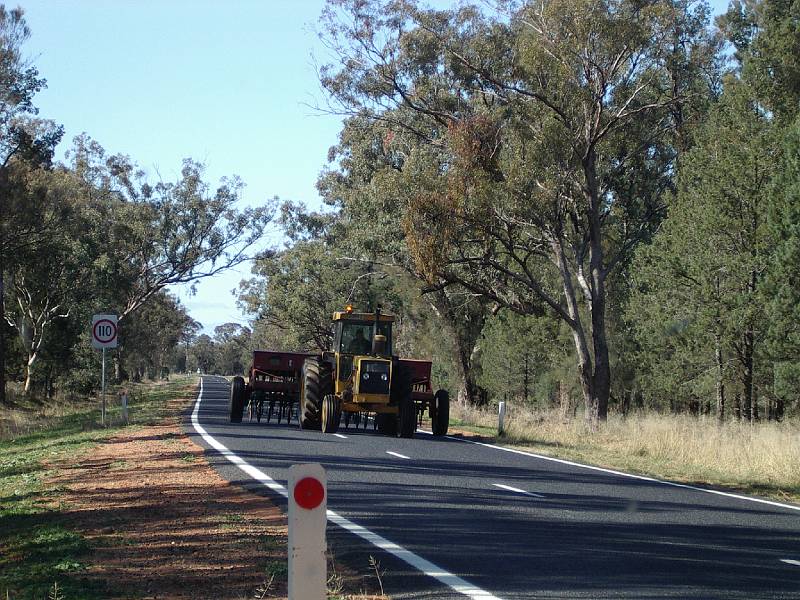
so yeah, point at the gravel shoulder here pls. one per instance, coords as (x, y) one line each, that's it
(161, 523)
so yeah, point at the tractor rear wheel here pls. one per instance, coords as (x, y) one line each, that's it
(331, 413)
(236, 404)
(316, 385)
(440, 412)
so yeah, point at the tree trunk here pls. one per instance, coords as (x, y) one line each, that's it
(29, 372)
(578, 336)
(525, 379)
(465, 331)
(2, 337)
(720, 381)
(601, 379)
(747, 373)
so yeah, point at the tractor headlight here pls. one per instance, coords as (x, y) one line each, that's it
(365, 376)
(384, 377)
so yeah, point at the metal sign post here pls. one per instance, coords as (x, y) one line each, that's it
(103, 388)
(104, 335)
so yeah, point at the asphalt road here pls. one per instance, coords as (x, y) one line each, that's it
(512, 525)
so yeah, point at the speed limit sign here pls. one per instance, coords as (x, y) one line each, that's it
(104, 331)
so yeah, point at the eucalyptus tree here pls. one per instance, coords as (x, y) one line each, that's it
(528, 115)
(166, 233)
(367, 184)
(23, 138)
(295, 290)
(152, 335)
(42, 279)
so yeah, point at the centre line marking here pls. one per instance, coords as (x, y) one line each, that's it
(339, 435)
(789, 561)
(398, 455)
(454, 582)
(516, 490)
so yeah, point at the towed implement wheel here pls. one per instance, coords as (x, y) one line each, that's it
(271, 408)
(440, 412)
(236, 404)
(259, 407)
(331, 413)
(316, 385)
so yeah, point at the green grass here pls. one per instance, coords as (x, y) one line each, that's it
(37, 546)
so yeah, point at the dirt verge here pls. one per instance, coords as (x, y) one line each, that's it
(163, 524)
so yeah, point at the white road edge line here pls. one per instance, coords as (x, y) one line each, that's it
(454, 582)
(516, 490)
(789, 561)
(398, 455)
(623, 474)
(339, 435)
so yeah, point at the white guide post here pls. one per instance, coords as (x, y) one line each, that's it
(308, 504)
(501, 417)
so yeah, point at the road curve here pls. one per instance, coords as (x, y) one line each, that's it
(461, 520)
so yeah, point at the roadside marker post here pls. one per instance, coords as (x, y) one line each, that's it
(501, 417)
(308, 503)
(123, 400)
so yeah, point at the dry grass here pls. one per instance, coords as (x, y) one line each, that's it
(760, 458)
(23, 415)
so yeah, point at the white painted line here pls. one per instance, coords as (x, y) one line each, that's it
(516, 490)
(454, 582)
(789, 561)
(623, 474)
(339, 435)
(398, 455)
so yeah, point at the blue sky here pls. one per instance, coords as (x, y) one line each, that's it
(225, 83)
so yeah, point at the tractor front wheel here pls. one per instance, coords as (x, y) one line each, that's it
(407, 419)
(401, 391)
(331, 413)
(316, 385)
(440, 412)
(236, 404)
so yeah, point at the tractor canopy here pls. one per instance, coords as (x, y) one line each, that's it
(360, 333)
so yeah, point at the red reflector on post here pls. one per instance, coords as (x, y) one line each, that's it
(309, 493)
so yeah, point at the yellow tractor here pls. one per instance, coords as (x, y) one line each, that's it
(360, 375)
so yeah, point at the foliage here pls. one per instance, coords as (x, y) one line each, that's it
(697, 308)
(524, 123)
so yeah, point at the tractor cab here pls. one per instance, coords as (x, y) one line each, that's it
(361, 356)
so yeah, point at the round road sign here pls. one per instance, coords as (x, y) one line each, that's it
(309, 493)
(104, 331)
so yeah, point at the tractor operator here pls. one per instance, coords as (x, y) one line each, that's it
(359, 344)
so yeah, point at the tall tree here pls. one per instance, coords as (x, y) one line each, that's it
(168, 233)
(532, 113)
(295, 290)
(43, 275)
(22, 138)
(699, 307)
(363, 184)
(782, 283)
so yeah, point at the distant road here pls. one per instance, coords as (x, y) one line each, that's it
(487, 523)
